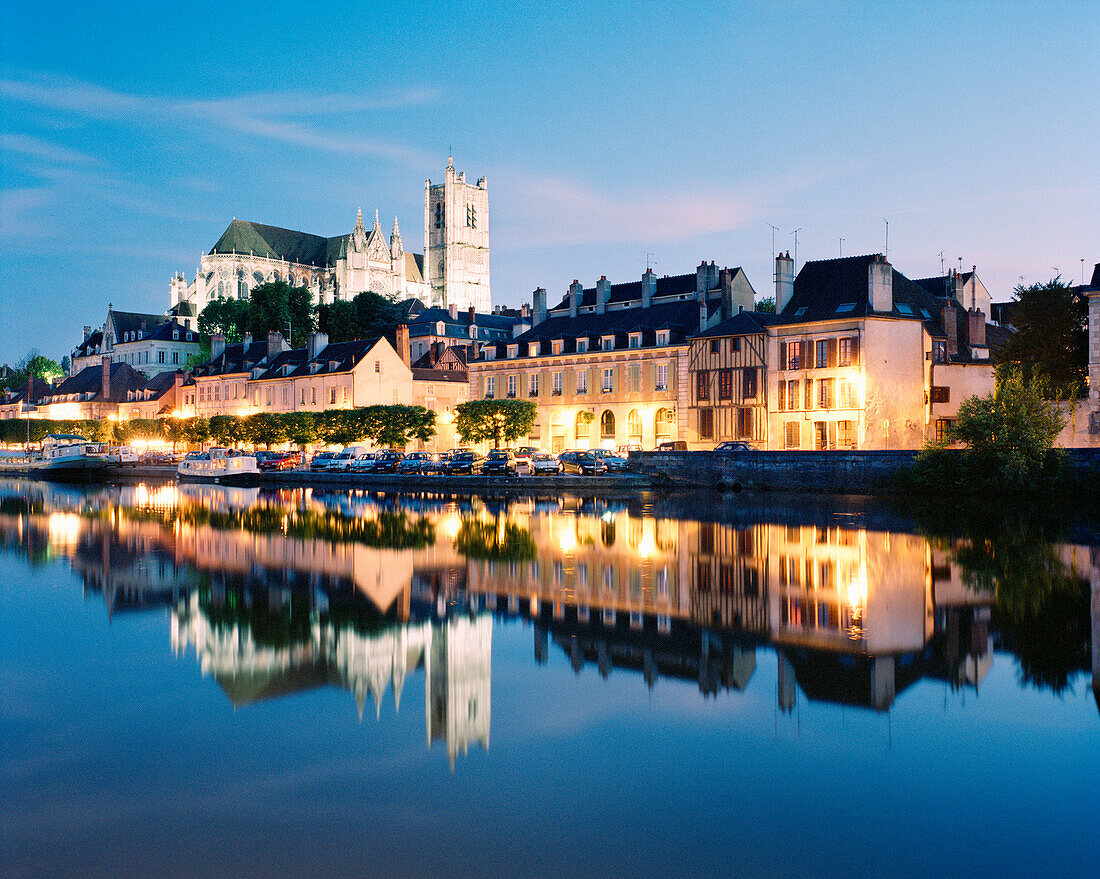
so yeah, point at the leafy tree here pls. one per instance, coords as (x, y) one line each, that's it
(366, 316)
(276, 305)
(501, 421)
(499, 540)
(766, 305)
(302, 428)
(226, 430)
(198, 430)
(1051, 339)
(396, 426)
(265, 428)
(65, 364)
(201, 356)
(230, 317)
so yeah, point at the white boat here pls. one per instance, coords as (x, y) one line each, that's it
(218, 465)
(63, 457)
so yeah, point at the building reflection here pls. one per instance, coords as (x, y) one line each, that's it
(281, 592)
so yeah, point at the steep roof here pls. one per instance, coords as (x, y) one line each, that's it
(439, 375)
(134, 321)
(746, 323)
(670, 285)
(337, 357)
(235, 359)
(89, 380)
(85, 348)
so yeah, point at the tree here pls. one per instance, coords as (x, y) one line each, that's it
(302, 428)
(226, 316)
(766, 305)
(275, 306)
(1051, 339)
(498, 420)
(226, 430)
(264, 428)
(366, 316)
(397, 425)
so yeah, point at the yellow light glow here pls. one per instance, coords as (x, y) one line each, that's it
(647, 546)
(64, 529)
(567, 539)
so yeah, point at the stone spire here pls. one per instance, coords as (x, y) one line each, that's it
(376, 229)
(396, 249)
(358, 236)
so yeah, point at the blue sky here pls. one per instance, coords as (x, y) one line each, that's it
(130, 135)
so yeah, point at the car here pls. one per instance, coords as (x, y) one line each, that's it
(733, 446)
(386, 462)
(414, 462)
(500, 461)
(321, 462)
(615, 463)
(544, 462)
(363, 463)
(672, 446)
(584, 463)
(625, 449)
(465, 462)
(523, 455)
(436, 463)
(268, 461)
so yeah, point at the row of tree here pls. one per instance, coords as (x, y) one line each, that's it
(276, 306)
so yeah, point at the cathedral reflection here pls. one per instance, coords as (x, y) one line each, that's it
(281, 592)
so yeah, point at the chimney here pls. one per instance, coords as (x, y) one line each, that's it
(453, 309)
(436, 352)
(276, 345)
(105, 378)
(975, 335)
(246, 342)
(712, 275)
(316, 343)
(28, 397)
(603, 294)
(951, 325)
(649, 288)
(403, 343)
(702, 313)
(217, 346)
(784, 281)
(525, 312)
(880, 284)
(87, 332)
(725, 282)
(701, 272)
(538, 304)
(177, 389)
(473, 316)
(576, 294)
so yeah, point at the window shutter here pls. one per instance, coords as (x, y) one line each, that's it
(782, 355)
(807, 354)
(855, 350)
(832, 353)
(782, 396)
(809, 392)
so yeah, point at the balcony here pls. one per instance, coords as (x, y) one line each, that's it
(533, 393)
(557, 392)
(511, 395)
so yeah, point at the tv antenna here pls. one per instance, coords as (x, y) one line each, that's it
(795, 234)
(776, 229)
(941, 262)
(886, 253)
(841, 254)
(649, 260)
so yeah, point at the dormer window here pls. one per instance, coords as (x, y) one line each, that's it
(635, 340)
(608, 343)
(490, 352)
(662, 337)
(533, 349)
(440, 329)
(513, 350)
(175, 335)
(555, 346)
(473, 331)
(188, 335)
(582, 345)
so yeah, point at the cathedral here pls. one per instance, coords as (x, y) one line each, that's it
(453, 270)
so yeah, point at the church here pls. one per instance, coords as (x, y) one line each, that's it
(453, 270)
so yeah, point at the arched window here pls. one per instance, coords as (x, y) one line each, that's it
(581, 426)
(221, 290)
(607, 424)
(557, 432)
(634, 426)
(258, 277)
(662, 424)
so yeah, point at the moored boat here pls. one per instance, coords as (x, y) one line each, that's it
(218, 465)
(62, 457)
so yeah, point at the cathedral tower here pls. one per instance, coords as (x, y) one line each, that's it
(456, 241)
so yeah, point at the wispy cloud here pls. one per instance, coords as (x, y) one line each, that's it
(280, 117)
(33, 148)
(17, 208)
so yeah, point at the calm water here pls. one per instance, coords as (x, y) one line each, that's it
(226, 682)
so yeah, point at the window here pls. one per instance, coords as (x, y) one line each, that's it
(744, 422)
(634, 426)
(635, 340)
(793, 395)
(821, 436)
(943, 428)
(533, 385)
(490, 386)
(286, 396)
(313, 396)
(471, 216)
(706, 423)
(555, 346)
(941, 395)
(582, 345)
(511, 386)
(607, 424)
(175, 335)
(939, 351)
(792, 435)
(845, 394)
(846, 435)
(725, 384)
(702, 384)
(794, 355)
(580, 426)
(303, 397)
(635, 379)
(557, 384)
(825, 398)
(715, 346)
(845, 352)
(160, 357)
(662, 337)
(582, 381)
(735, 343)
(845, 308)
(608, 343)
(332, 396)
(822, 359)
(346, 393)
(608, 380)
(269, 397)
(748, 382)
(661, 384)
(378, 366)
(175, 357)
(439, 216)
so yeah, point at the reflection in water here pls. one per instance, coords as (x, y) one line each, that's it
(285, 591)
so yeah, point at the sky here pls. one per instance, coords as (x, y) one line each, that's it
(131, 134)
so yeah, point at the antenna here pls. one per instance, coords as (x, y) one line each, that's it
(649, 260)
(941, 263)
(776, 229)
(886, 253)
(795, 234)
(1082, 271)
(841, 247)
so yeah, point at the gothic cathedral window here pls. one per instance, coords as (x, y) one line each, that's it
(471, 216)
(439, 215)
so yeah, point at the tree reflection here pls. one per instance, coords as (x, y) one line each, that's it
(499, 540)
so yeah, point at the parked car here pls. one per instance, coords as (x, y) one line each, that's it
(672, 446)
(615, 463)
(500, 461)
(414, 462)
(363, 463)
(465, 462)
(543, 462)
(386, 461)
(437, 463)
(321, 461)
(626, 448)
(342, 461)
(733, 446)
(584, 463)
(523, 455)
